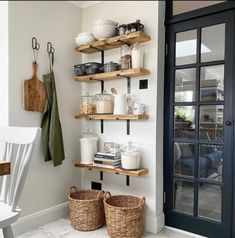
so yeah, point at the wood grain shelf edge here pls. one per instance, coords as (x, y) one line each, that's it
(134, 173)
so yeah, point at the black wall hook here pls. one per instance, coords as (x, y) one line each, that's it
(35, 47)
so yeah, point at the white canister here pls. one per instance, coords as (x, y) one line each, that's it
(130, 158)
(120, 104)
(137, 56)
(88, 148)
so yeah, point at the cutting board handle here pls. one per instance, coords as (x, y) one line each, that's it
(35, 67)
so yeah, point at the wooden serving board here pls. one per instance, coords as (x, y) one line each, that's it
(34, 92)
(4, 168)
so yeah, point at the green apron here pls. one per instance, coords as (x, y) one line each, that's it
(52, 139)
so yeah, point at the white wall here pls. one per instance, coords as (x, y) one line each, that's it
(148, 134)
(3, 63)
(58, 22)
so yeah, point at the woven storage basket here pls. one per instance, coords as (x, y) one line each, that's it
(86, 209)
(124, 216)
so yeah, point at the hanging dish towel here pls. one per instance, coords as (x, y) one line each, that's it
(52, 139)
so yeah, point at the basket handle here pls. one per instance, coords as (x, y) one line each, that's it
(142, 202)
(73, 189)
(107, 194)
(101, 194)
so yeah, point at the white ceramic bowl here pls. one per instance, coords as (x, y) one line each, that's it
(102, 32)
(84, 38)
(105, 22)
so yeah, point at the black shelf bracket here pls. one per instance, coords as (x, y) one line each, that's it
(127, 180)
(128, 127)
(101, 175)
(102, 126)
(123, 42)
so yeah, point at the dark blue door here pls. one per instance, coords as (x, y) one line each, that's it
(199, 125)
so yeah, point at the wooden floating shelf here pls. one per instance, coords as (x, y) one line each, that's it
(5, 168)
(113, 75)
(114, 42)
(133, 173)
(112, 117)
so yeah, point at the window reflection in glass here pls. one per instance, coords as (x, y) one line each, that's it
(212, 83)
(185, 83)
(213, 43)
(211, 162)
(211, 123)
(184, 123)
(186, 47)
(184, 157)
(183, 196)
(209, 201)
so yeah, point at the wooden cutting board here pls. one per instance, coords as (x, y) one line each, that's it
(34, 92)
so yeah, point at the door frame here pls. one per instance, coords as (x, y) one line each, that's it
(183, 17)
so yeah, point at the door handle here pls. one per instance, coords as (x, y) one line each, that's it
(228, 123)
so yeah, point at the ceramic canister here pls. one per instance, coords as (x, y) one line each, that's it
(120, 104)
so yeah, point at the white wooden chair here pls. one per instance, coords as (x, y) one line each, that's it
(16, 146)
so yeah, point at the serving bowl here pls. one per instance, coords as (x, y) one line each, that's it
(84, 38)
(104, 28)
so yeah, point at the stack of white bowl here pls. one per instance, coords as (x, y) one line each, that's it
(84, 38)
(104, 28)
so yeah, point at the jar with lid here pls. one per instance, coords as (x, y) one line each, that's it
(104, 103)
(88, 147)
(88, 105)
(137, 56)
(130, 157)
(125, 60)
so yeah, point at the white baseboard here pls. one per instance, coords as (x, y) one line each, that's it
(154, 224)
(41, 218)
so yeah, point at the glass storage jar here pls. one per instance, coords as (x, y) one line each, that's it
(88, 147)
(125, 60)
(88, 105)
(104, 103)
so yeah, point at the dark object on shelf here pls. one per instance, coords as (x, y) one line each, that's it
(125, 29)
(93, 68)
(80, 69)
(111, 66)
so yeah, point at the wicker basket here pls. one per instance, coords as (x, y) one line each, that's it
(124, 216)
(86, 209)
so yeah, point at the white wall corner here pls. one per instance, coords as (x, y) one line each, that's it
(154, 224)
(41, 218)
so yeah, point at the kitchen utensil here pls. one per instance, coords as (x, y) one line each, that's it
(130, 157)
(84, 38)
(114, 91)
(88, 147)
(111, 66)
(34, 92)
(80, 69)
(136, 26)
(137, 56)
(104, 103)
(121, 29)
(120, 104)
(93, 68)
(88, 106)
(104, 29)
